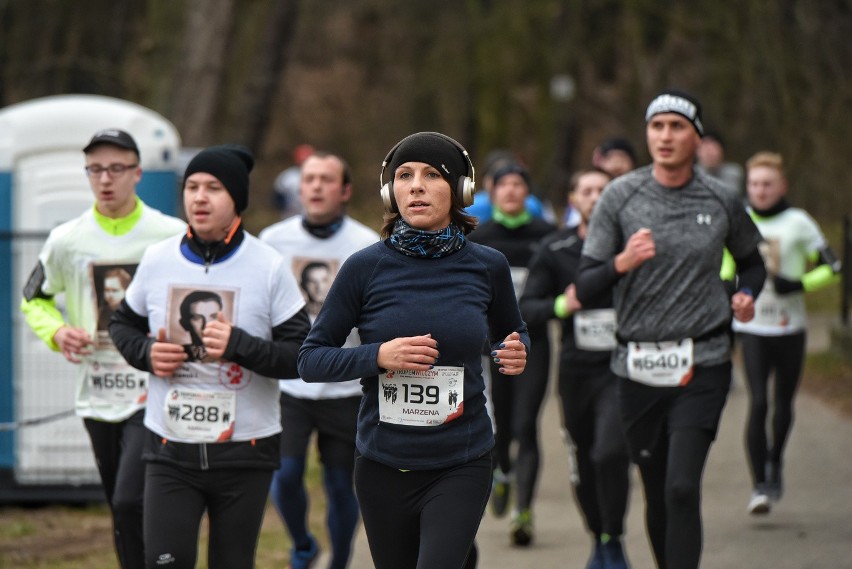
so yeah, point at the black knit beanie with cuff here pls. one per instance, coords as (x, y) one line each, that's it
(230, 164)
(513, 168)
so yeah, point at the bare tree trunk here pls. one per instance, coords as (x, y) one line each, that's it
(198, 78)
(257, 98)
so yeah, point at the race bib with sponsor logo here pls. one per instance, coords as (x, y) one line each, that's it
(769, 310)
(660, 364)
(421, 398)
(594, 330)
(111, 380)
(200, 416)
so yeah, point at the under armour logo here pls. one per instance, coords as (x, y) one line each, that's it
(703, 218)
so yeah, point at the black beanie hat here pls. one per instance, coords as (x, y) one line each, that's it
(513, 168)
(231, 164)
(619, 144)
(434, 149)
(680, 102)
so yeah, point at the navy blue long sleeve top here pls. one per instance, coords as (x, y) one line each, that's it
(462, 300)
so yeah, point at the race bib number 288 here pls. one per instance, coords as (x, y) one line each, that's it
(200, 416)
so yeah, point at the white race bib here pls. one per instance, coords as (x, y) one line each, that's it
(769, 310)
(112, 380)
(201, 416)
(594, 330)
(519, 279)
(661, 364)
(421, 398)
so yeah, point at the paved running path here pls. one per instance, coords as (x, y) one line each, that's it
(810, 528)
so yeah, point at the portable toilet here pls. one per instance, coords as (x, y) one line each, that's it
(44, 450)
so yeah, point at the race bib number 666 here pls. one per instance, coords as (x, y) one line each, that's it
(112, 381)
(660, 364)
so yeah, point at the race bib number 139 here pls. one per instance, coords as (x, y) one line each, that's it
(421, 398)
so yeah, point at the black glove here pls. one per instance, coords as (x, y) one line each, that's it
(786, 286)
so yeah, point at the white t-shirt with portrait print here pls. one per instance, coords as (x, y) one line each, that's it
(302, 252)
(257, 292)
(75, 257)
(791, 239)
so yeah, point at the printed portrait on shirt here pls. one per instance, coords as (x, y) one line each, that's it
(314, 277)
(109, 284)
(190, 310)
(770, 250)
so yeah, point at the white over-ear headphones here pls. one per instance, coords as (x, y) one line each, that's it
(464, 190)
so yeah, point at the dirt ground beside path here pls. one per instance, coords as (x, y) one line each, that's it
(52, 535)
(76, 537)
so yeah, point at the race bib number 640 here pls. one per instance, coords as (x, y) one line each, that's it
(660, 364)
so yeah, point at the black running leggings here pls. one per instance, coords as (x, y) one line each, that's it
(671, 477)
(590, 412)
(422, 519)
(762, 355)
(175, 501)
(118, 453)
(517, 402)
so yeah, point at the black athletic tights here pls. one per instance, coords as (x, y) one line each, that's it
(118, 453)
(672, 481)
(177, 498)
(591, 415)
(762, 355)
(422, 519)
(517, 400)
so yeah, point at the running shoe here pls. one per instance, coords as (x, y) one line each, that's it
(304, 559)
(596, 561)
(521, 531)
(501, 489)
(774, 483)
(613, 554)
(759, 503)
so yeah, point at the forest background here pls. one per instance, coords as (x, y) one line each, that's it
(548, 79)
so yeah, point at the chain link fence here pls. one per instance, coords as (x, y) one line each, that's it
(44, 447)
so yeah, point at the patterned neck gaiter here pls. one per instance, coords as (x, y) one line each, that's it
(426, 244)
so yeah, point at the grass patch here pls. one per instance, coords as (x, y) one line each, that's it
(56, 537)
(828, 376)
(15, 529)
(824, 300)
(64, 537)
(829, 298)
